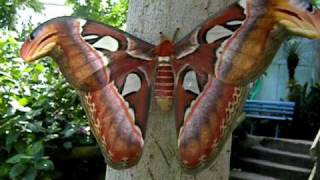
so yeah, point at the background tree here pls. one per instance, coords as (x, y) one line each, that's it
(9, 9)
(109, 12)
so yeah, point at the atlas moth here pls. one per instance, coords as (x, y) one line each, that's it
(116, 73)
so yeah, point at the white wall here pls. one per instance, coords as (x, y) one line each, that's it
(274, 83)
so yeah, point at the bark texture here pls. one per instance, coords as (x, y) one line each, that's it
(146, 19)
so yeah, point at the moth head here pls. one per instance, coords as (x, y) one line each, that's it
(299, 17)
(165, 48)
(46, 37)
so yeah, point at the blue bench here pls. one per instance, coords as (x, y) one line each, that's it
(270, 110)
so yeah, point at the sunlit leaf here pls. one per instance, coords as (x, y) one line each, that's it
(69, 132)
(17, 158)
(39, 68)
(23, 101)
(44, 164)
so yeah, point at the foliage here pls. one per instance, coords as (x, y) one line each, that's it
(316, 3)
(9, 8)
(108, 11)
(307, 118)
(39, 114)
(292, 47)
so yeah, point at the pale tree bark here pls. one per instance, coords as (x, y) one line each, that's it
(146, 19)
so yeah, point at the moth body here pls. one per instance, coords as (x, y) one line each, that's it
(164, 80)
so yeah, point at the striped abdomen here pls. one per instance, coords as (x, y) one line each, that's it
(164, 83)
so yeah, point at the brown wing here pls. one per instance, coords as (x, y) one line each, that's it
(111, 71)
(123, 105)
(206, 108)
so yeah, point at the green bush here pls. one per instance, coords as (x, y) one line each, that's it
(41, 119)
(9, 9)
(306, 121)
(39, 114)
(108, 12)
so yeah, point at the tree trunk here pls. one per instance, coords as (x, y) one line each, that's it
(146, 19)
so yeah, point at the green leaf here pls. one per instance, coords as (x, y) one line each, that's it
(4, 170)
(17, 158)
(39, 68)
(23, 101)
(20, 146)
(12, 137)
(27, 69)
(44, 164)
(37, 149)
(67, 145)
(17, 170)
(34, 113)
(30, 174)
(69, 132)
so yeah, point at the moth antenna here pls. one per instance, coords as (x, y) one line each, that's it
(162, 36)
(175, 35)
(207, 5)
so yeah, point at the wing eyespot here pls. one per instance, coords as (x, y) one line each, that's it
(132, 84)
(310, 8)
(32, 36)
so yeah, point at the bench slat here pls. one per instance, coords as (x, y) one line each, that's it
(283, 103)
(269, 117)
(249, 110)
(268, 107)
(272, 110)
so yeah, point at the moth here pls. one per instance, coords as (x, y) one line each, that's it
(116, 74)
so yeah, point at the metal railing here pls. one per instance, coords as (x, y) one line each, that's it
(315, 153)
